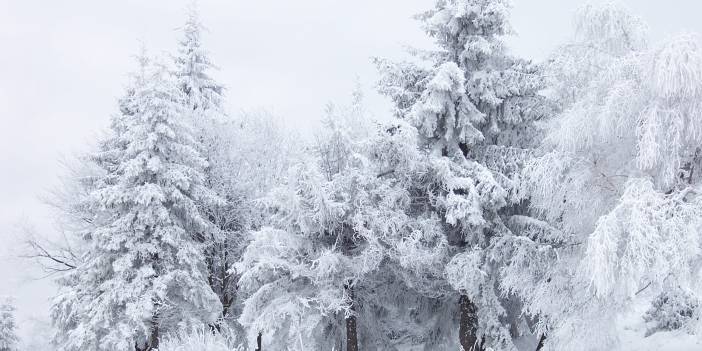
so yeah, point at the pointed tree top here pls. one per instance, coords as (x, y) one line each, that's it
(193, 26)
(143, 60)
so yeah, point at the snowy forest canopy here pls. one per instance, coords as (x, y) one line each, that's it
(502, 204)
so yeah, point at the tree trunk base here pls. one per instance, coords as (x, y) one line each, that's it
(351, 332)
(468, 329)
(542, 340)
(258, 341)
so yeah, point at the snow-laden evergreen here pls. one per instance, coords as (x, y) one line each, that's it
(476, 109)
(204, 98)
(143, 274)
(193, 70)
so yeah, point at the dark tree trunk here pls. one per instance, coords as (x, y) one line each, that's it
(542, 340)
(227, 294)
(220, 280)
(258, 342)
(351, 332)
(153, 338)
(209, 261)
(468, 329)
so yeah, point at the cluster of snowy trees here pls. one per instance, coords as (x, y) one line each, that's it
(505, 205)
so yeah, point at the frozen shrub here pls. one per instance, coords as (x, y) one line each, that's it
(200, 339)
(672, 310)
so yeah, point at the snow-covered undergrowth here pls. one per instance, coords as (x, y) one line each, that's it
(633, 328)
(662, 341)
(200, 340)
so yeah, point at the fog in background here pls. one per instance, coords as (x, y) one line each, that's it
(63, 64)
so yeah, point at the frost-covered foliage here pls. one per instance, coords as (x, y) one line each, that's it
(200, 339)
(193, 65)
(343, 125)
(495, 95)
(8, 327)
(301, 271)
(252, 155)
(476, 109)
(444, 113)
(617, 186)
(143, 273)
(602, 33)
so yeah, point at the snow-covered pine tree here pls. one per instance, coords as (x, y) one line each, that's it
(8, 328)
(204, 96)
(475, 107)
(616, 189)
(143, 273)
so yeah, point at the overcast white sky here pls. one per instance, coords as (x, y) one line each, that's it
(63, 63)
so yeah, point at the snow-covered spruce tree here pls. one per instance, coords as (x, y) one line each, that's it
(8, 333)
(475, 108)
(247, 153)
(617, 187)
(204, 98)
(193, 71)
(143, 273)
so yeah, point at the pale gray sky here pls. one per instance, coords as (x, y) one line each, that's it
(63, 63)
